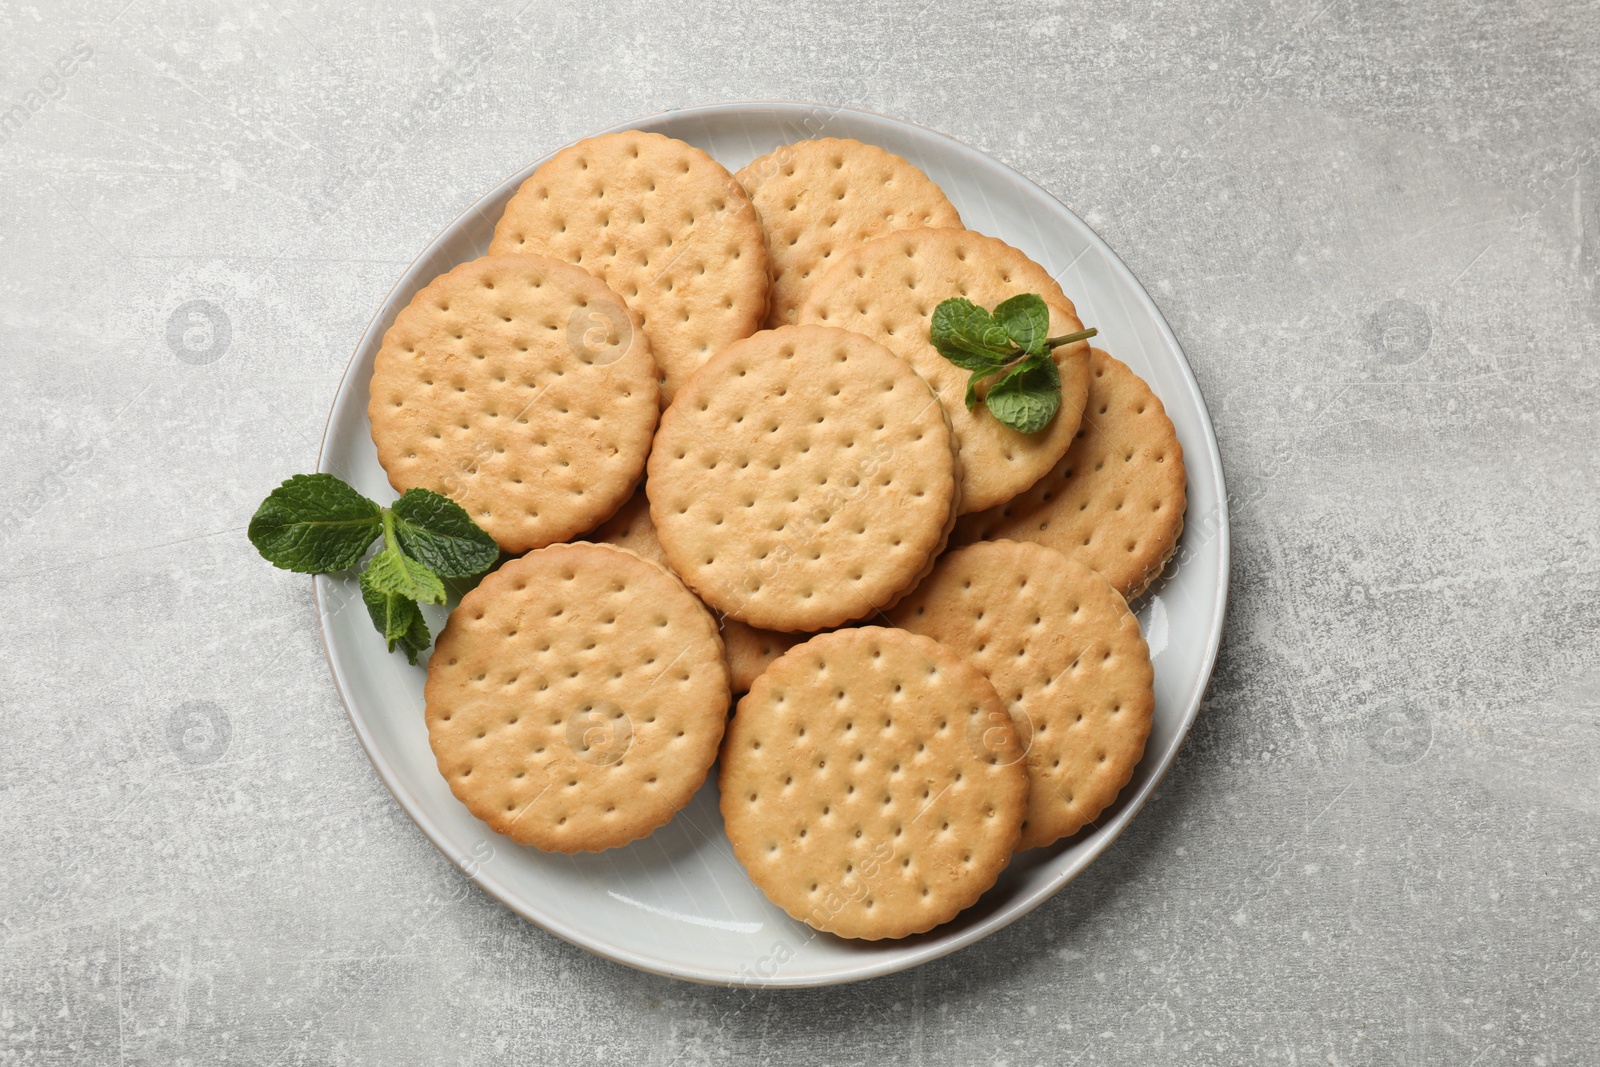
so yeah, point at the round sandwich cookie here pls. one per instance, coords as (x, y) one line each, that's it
(576, 698)
(663, 224)
(1115, 501)
(1066, 656)
(888, 288)
(803, 478)
(750, 650)
(872, 783)
(495, 388)
(818, 199)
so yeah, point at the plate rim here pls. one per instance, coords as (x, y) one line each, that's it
(1128, 807)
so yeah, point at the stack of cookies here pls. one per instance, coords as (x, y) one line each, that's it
(703, 412)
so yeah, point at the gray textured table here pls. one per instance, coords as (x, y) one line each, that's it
(1373, 226)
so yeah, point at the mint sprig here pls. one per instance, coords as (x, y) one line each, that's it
(316, 524)
(1013, 342)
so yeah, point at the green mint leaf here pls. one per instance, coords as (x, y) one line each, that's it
(397, 618)
(438, 532)
(969, 336)
(393, 572)
(314, 524)
(1026, 321)
(414, 642)
(972, 385)
(1029, 395)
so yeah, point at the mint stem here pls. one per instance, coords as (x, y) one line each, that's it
(1049, 343)
(389, 539)
(1069, 338)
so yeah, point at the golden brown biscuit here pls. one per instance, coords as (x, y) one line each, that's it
(1067, 657)
(576, 698)
(1116, 499)
(888, 288)
(872, 783)
(663, 224)
(750, 650)
(804, 477)
(818, 199)
(495, 388)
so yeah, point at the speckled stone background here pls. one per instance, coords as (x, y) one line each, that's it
(1375, 227)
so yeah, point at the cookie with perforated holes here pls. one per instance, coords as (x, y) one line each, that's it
(888, 288)
(750, 650)
(803, 478)
(1116, 500)
(663, 224)
(872, 783)
(522, 388)
(1067, 657)
(576, 698)
(818, 199)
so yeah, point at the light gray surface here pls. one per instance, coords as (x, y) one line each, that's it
(1380, 844)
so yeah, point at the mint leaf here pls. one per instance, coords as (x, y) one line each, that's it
(1026, 320)
(314, 524)
(393, 572)
(415, 641)
(397, 618)
(972, 385)
(969, 336)
(1029, 395)
(437, 531)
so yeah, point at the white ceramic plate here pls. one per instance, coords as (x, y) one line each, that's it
(677, 903)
